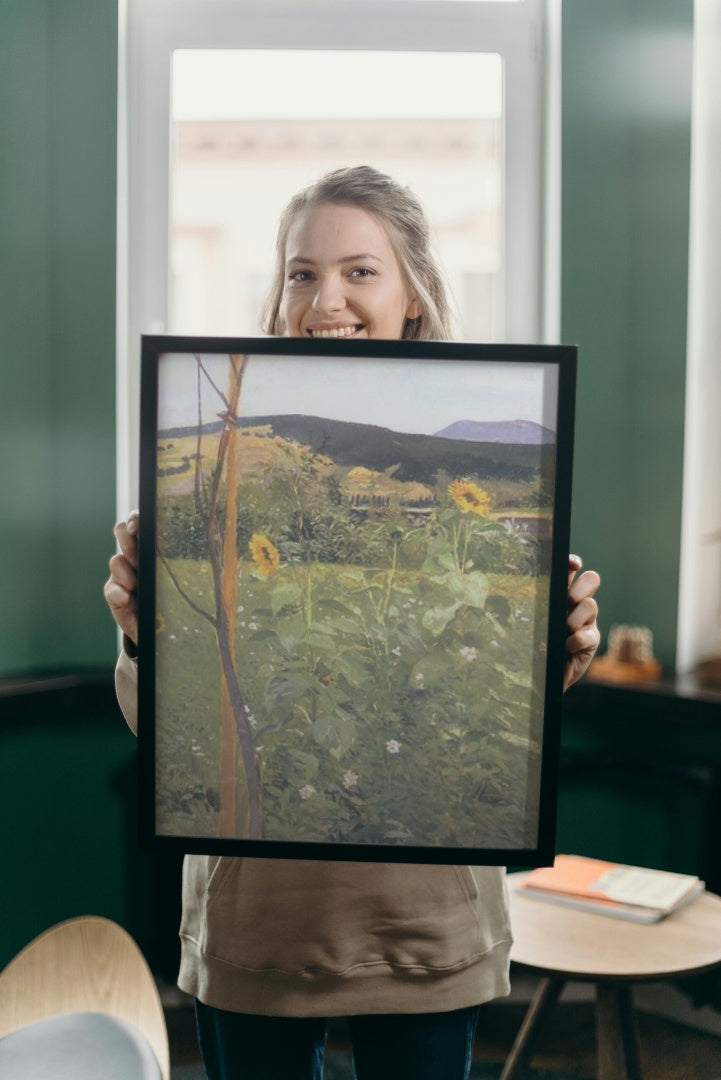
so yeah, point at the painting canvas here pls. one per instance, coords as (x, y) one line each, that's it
(353, 566)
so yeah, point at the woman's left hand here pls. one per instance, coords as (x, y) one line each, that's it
(583, 636)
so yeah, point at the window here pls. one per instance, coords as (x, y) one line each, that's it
(227, 107)
(235, 161)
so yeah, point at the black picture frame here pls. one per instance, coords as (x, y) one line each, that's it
(361, 655)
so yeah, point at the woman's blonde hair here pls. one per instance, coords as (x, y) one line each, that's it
(403, 217)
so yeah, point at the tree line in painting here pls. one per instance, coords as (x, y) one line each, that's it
(346, 652)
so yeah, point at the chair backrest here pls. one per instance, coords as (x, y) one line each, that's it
(87, 964)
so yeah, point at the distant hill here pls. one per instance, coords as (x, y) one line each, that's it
(519, 432)
(417, 457)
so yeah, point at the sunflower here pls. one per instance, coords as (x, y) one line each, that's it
(264, 553)
(470, 498)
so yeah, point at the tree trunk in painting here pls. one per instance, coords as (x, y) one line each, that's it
(240, 797)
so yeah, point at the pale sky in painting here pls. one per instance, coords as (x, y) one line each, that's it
(410, 396)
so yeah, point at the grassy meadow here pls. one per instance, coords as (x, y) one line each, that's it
(381, 713)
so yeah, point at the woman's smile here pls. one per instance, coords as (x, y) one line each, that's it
(335, 331)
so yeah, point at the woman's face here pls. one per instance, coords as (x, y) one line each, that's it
(342, 277)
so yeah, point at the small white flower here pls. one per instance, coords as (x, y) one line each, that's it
(252, 626)
(396, 651)
(171, 637)
(418, 676)
(468, 652)
(393, 746)
(253, 722)
(350, 779)
(240, 608)
(495, 644)
(306, 791)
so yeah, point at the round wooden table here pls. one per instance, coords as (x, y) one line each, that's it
(562, 944)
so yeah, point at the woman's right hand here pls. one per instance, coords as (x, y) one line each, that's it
(121, 587)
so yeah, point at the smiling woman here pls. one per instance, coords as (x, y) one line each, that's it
(353, 259)
(337, 293)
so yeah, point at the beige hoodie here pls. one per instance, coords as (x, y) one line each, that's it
(284, 937)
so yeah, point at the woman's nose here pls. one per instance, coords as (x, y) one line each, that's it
(329, 296)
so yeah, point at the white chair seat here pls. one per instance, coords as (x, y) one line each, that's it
(78, 1046)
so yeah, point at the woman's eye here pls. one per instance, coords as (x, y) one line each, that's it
(300, 276)
(362, 272)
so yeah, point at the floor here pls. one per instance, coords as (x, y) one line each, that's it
(670, 1051)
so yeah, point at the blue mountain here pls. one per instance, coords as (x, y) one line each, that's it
(519, 432)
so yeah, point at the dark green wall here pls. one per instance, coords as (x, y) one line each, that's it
(625, 202)
(68, 804)
(66, 759)
(58, 73)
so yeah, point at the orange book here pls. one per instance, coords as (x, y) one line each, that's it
(631, 892)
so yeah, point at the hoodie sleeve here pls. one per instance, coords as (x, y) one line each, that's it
(126, 688)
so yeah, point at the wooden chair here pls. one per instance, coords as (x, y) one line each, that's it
(89, 971)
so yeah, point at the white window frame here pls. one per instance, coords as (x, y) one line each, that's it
(526, 34)
(699, 597)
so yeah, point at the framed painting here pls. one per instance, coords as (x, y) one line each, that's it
(352, 597)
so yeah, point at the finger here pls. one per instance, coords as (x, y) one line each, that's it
(118, 598)
(123, 573)
(583, 641)
(583, 614)
(585, 585)
(123, 608)
(575, 563)
(126, 534)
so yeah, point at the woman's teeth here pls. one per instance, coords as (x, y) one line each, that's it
(337, 331)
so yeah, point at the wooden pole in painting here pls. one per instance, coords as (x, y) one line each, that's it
(243, 821)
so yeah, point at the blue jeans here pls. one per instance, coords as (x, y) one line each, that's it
(415, 1046)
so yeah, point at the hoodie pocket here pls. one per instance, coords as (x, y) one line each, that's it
(293, 916)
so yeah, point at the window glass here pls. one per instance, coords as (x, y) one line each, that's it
(238, 156)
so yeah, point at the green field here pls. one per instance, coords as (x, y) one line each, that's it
(387, 705)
